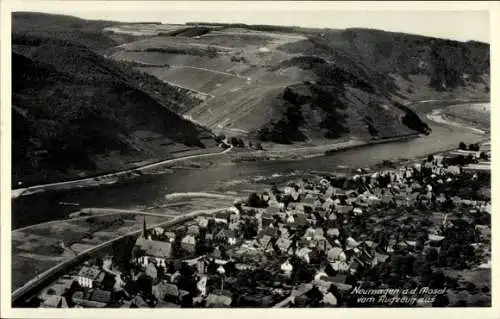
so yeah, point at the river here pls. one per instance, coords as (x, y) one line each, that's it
(150, 189)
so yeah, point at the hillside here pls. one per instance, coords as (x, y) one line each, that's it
(287, 84)
(138, 82)
(76, 113)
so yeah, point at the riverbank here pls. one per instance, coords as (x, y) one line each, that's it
(107, 179)
(219, 174)
(241, 155)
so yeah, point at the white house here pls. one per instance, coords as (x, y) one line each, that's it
(286, 268)
(87, 276)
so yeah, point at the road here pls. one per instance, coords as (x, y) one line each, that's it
(189, 89)
(208, 70)
(105, 179)
(40, 278)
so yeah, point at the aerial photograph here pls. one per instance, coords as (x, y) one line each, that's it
(198, 159)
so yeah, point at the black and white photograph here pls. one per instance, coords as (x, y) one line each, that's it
(247, 155)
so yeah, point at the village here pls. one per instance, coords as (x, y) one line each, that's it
(326, 241)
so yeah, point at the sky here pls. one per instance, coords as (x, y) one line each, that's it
(461, 21)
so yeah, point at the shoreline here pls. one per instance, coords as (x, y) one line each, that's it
(105, 179)
(129, 174)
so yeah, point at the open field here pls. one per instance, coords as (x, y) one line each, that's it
(478, 115)
(37, 248)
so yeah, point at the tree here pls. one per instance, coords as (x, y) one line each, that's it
(234, 141)
(241, 143)
(474, 147)
(250, 228)
(462, 146)
(211, 51)
(441, 301)
(314, 296)
(220, 138)
(430, 158)
(254, 200)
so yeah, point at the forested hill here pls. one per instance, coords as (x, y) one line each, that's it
(78, 113)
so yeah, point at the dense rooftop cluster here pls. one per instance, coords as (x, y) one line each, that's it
(316, 242)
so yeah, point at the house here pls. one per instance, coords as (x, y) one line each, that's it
(327, 204)
(219, 220)
(173, 277)
(151, 271)
(324, 283)
(202, 221)
(199, 263)
(138, 302)
(284, 233)
(336, 254)
(242, 266)
(300, 221)
(379, 259)
(267, 220)
(344, 209)
(283, 244)
(329, 300)
(268, 231)
(158, 231)
(390, 246)
(55, 301)
(356, 264)
(368, 245)
(218, 301)
(89, 277)
(265, 240)
(357, 211)
(193, 230)
(332, 216)
(226, 235)
(92, 299)
(339, 266)
(234, 218)
(146, 250)
(453, 169)
(309, 234)
(303, 253)
(169, 236)
(323, 244)
(351, 243)
(286, 268)
(324, 182)
(188, 243)
(202, 285)
(223, 215)
(216, 253)
(166, 291)
(101, 296)
(319, 233)
(333, 232)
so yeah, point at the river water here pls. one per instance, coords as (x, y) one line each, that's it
(147, 190)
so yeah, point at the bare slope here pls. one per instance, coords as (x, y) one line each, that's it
(290, 84)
